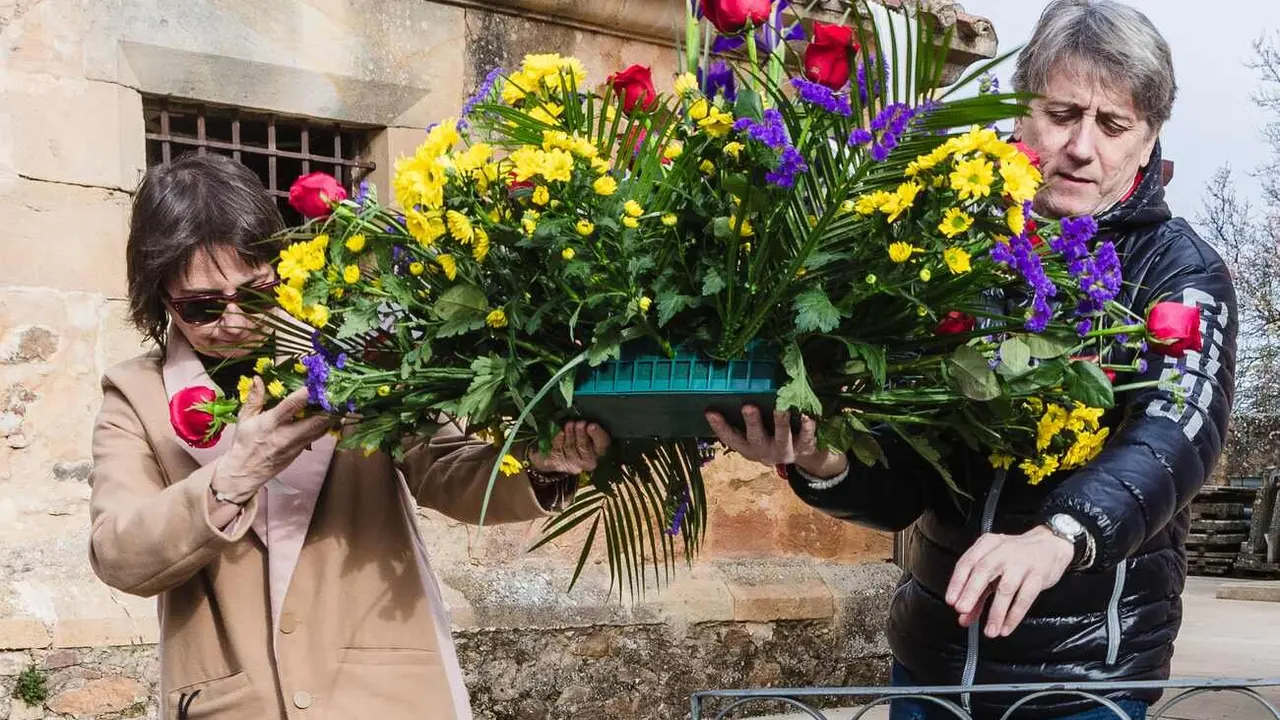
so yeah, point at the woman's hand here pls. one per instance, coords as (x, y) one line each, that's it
(266, 442)
(577, 449)
(781, 448)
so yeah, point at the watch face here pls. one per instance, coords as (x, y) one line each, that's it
(1067, 525)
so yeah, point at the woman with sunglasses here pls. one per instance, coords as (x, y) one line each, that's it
(291, 577)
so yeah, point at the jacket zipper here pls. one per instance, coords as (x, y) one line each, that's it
(975, 630)
(1113, 614)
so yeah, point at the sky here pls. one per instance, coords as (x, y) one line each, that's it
(1214, 119)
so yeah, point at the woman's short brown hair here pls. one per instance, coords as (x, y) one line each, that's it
(194, 202)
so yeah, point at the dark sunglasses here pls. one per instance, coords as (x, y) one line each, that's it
(204, 309)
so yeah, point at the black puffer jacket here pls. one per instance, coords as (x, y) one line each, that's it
(1117, 620)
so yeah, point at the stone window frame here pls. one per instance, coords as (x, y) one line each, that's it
(278, 148)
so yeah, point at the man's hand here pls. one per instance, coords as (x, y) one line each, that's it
(576, 449)
(1017, 568)
(781, 448)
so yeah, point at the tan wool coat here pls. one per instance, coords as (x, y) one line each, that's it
(361, 632)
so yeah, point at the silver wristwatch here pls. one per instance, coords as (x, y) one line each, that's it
(1070, 529)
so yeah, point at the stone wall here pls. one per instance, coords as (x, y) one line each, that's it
(72, 148)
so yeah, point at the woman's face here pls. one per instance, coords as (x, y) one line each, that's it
(202, 302)
(1091, 140)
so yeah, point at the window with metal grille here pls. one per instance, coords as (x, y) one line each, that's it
(278, 148)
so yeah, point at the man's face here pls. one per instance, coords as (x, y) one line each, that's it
(1091, 140)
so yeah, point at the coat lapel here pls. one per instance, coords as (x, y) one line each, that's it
(286, 502)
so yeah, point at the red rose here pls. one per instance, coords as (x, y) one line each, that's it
(1111, 375)
(635, 86)
(1032, 155)
(826, 59)
(1175, 328)
(730, 16)
(195, 427)
(315, 194)
(956, 322)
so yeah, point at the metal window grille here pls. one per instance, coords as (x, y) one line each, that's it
(278, 148)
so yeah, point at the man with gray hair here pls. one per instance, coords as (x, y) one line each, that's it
(1077, 578)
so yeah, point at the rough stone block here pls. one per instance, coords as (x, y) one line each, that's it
(88, 226)
(97, 697)
(99, 632)
(13, 662)
(1254, 591)
(117, 339)
(44, 37)
(77, 131)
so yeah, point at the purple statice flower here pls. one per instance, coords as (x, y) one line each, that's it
(362, 194)
(1020, 255)
(1122, 339)
(706, 452)
(677, 518)
(1084, 327)
(878, 83)
(790, 164)
(1143, 366)
(861, 136)
(879, 152)
(772, 133)
(351, 406)
(988, 84)
(886, 129)
(400, 260)
(1100, 279)
(481, 94)
(822, 96)
(719, 79)
(340, 362)
(317, 344)
(317, 381)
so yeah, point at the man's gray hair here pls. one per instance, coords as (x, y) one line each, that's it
(1113, 43)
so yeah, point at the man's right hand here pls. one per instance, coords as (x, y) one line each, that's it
(266, 442)
(781, 448)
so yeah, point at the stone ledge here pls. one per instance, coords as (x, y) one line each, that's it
(752, 591)
(1255, 591)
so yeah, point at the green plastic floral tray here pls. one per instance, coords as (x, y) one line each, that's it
(647, 394)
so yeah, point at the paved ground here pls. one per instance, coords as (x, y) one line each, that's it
(1219, 638)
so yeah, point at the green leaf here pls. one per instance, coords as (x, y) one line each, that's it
(1048, 374)
(797, 395)
(1047, 347)
(872, 358)
(722, 230)
(603, 349)
(814, 311)
(461, 301)
(712, 283)
(567, 384)
(490, 374)
(1015, 358)
(971, 376)
(670, 303)
(931, 455)
(749, 104)
(1087, 383)
(357, 320)
(847, 433)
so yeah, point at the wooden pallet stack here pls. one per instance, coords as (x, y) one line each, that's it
(1220, 524)
(1260, 552)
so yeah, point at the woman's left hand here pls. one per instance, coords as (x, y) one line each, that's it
(577, 449)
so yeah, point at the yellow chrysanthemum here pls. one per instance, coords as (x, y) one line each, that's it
(926, 275)
(262, 365)
(416, 268)
(1000, 461)
(351, 274)
(355, 243)
(733, 149)
(510, 465)
(1016, 219)
(547, 113)
(1021, 180)
(496, 319)
(744, 226)
(526, 162)
(529, 224)
(706, 167)
(901, 252)
(276, 388)
(871, 202)
(973, 178)
(630, 222)
(644, 304)
(1051, 423)
(480, 245)
(472, 159)
(1037, 472)
(243, 387)
(541, 195)
(459, 227)
(300, 368)
(557, 165)
(673, 150)
(699, 110)
(957, 260)
(290, 298)
(318, 315)
(669, 219)
(605, 185)
(633, 208)
(717, 123)
(898, 202)
(585, 227)
(337, 293)
(449, 265)
(954, 222)
(426, 227)
(567, 254)
(383, 390)
(600, 165)
(686, 84)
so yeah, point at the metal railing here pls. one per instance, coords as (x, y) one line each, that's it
(797, 700)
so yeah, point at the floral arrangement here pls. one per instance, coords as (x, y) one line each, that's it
(835, 205)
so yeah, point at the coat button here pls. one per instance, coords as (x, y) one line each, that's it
(289, 622)
(302, 700)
